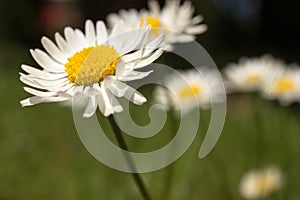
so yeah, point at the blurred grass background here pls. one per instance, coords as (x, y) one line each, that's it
(42, 157)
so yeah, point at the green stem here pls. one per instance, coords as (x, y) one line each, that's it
(136, 176)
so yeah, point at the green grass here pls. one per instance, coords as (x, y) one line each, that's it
(42, 157)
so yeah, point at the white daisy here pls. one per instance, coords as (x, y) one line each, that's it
(258, 184)
(91, 66)
(190, 89)
(176, 21)
(284, 86)
(250, 73)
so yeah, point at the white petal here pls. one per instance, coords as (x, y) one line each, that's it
(196, 29)
(183, 38)
(154, 7)
(112, 19)
(108, 110)
(146, 51)
(101, 32)
(65, 94)
(46, 62)
(115, 104)
(130, 38)
(44, 82)
(90, 108)
(133, 75)
(117, 29)
(39, 93)
(28, 81)
(80, 99)
(53, 99)
(148, 60)
(63, 45)
(71, 39)
(116, 38)
(90, 33)
(60, 87)
(35, 100)
(53, 50)
(42, 74)
(80, 39)
(197, 19)
(100, 102)
(120, 67)
(120, 89)
(156, 42)
(30, 101)
(115, 87)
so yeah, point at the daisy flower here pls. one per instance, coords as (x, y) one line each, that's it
(258, 184)
(249, 74)
(284, 86)
(176, 21)
(91, 66)
(190, 89)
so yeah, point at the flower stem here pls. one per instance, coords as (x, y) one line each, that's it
(136, 176)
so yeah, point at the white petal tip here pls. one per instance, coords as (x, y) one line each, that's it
(88, 115)
(118, 109)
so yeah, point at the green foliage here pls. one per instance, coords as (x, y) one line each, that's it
(42, 156)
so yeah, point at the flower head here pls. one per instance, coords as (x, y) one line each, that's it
(258, 184)
(176, 21)
(284, 86)
(190, 89)
(92, 67)
(251, 73)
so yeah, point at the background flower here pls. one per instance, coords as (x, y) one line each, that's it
(259, 184)
(176, 21)
(284, 86)
(200, 87)
(250, 74)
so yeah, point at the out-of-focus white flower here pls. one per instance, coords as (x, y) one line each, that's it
(249, 74)
(176, 21)
(284, 86)
(190, 89)
(258, 184)
(91, 67)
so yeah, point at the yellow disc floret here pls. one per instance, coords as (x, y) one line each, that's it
(284, 85)
(153, 21)
(191, 91)
(253, 78)
(92, 64)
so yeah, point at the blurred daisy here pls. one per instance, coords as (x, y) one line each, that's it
(90, 67)
(249, 74)
(176, 21)
(258, 184)
(284, 86)
(190, 89)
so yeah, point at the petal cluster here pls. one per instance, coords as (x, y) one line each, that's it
(175, 20)
(269, 76)
(52, 83)
(190, 89)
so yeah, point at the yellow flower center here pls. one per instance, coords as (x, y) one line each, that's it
(92, 64)
(191, 91)
(284, 85)
(253, 78)
(153, 21)
(266, 184)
